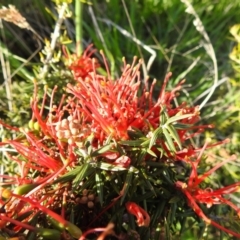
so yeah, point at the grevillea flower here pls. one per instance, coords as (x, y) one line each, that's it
(39, 144)
(40, 158)
(108, 107)
(16, 208)
(208, 196)
(143, 219)
(111, 122)
(82, 65)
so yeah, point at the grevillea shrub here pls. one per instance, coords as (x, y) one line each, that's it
(110, 160)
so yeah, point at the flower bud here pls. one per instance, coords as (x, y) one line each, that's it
(50, 234)
(25, 188)
(90, 204)
(84, 192)
(73, 230)
(91, 197)
(36, 126)
(56, 224)
(5, 193)
(84, 200)
(31, 124)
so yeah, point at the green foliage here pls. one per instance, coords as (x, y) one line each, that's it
(229, 122)
(158, 28)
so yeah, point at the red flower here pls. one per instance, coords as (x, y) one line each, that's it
(109, 108)
(83, 65)
(143, 219)
(208, 196)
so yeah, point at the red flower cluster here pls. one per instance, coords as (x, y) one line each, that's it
(82, 65)
(103, 111)
(208, 196)
(109, 108)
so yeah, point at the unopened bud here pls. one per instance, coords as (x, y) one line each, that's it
(90, 204)
(5, 193)
(36, 126)
(50, 234)
(91, 197)
(31, 124)
(84, 200)
(24, 189)
(84, 192)
(73, 230)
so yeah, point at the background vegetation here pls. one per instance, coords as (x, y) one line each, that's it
(161, 32)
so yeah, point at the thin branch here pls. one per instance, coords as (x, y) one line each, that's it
(78, 26)
(54, 38)
(145, 72)
(134, 39)
(6, 70)
(176, 44)
(208, 47)
(95, 23)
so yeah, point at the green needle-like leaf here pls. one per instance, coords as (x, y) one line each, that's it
(101, 150)
(127, 184)
(133, 143)
(174, 135)
(156, 134)
(169, 140)
(107, 166)
(177, 118)
(99, 185)
(85, 171)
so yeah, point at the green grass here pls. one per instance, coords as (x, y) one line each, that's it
(145, 28)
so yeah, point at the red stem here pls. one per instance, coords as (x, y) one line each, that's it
(200, 213)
